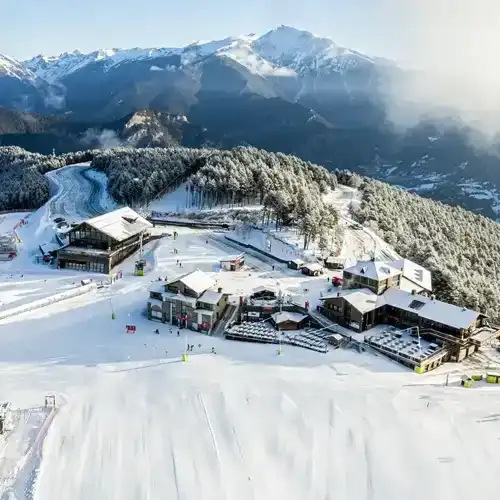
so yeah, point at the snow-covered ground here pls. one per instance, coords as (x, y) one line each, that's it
(79, 193)
(138, 423)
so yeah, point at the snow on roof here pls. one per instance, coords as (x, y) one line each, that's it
(180, 297)
(332, 259)
(314, 266)
(120, 224)
(432, 310)
(157, 287)
(373, 269)
(414, 273)
(362, 299)
(211, 297)
(265, 288)
(205, 312)
(297, 261)
(198, 281)
(338, 337)
(230, 258)
(295, 317)
(155, 302)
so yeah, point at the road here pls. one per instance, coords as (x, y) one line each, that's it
(76, 193)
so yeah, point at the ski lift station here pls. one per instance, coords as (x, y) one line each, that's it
(99, 244)
(233, 262)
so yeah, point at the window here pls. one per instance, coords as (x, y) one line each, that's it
(416, 304)
(156, 314)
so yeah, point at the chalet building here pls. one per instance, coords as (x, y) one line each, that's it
(99, 244)
(396, 293)
(314, 269)
(379, 276)
(287, 320)
(296, 264)
(335, 263)
(188, 301)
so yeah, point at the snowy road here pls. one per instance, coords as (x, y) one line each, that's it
(78, 194)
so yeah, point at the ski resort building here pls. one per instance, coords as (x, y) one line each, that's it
(397, 293)
(99, 244)
(188, 301)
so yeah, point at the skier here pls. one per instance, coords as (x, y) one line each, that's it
(213, 350)
(178, 333)
(157, 331)
(199, 346)
(166, 353)
(180, 264)
(273, 267)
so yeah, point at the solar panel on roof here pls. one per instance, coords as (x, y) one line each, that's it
(416, 304)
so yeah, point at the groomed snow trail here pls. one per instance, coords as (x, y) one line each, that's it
(77, 193)
(211, 429)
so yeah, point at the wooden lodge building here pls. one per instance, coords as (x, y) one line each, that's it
(396, 293)
(99, 244)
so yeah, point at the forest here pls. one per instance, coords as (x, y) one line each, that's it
(290, 189)
(461, 249)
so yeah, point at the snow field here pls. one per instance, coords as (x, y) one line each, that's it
(243, 423)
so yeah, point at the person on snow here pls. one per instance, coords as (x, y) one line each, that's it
(213, 350)
(157, 331)
(178, 333)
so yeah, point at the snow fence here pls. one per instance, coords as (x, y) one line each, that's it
(37, 304)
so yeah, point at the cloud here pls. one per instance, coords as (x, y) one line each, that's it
(102, 139)
(454, 48)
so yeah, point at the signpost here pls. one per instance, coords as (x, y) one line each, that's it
(130, 329)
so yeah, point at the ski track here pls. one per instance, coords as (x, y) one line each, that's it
(77, 194)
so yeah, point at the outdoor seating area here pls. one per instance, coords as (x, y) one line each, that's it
(401, 344)
(264, 333)
(307, 341)
(253, 332)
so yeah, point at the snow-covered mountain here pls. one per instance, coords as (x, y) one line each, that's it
(9, 67)
(284, 51)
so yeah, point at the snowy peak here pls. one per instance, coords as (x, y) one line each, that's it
(14, 69)
(282, 51)
(306, 53)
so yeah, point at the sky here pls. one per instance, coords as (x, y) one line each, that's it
(51, 27)
(457, 42)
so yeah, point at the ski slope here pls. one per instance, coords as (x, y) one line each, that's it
(216, 428)
(243, 423)
(79, 192)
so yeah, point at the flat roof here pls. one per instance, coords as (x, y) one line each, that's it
(72, 250)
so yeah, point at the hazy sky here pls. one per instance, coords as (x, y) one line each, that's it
(31, 27)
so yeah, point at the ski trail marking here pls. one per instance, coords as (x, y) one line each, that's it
(210, 428)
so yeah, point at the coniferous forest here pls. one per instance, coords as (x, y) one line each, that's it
(460, 248)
